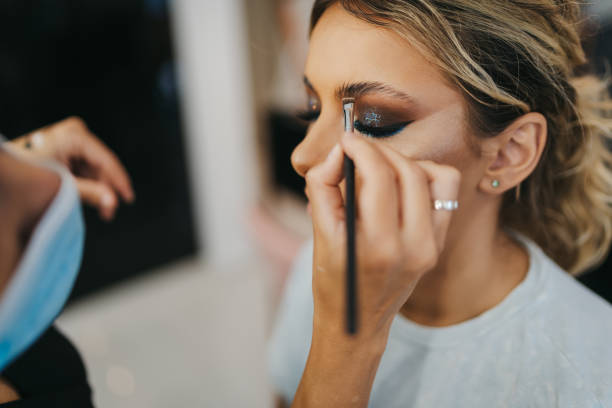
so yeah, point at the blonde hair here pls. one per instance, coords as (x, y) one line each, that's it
(511, 57)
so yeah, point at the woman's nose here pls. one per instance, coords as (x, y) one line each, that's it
(310, 152)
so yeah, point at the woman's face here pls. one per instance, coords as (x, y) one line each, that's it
(400, 98)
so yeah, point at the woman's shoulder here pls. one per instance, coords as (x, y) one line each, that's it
(560, 293)
(573, 300)
(573, 326)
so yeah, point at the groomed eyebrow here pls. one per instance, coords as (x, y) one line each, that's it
(308, 84)
(357, 89)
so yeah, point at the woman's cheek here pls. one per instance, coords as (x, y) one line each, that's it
(441, 139)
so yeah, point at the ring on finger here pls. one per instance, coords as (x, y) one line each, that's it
(446, 205)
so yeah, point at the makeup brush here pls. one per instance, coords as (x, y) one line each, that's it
(348, 105)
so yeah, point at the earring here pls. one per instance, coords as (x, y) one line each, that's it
(495, 183)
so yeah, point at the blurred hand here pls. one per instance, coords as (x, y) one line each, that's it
(101, 178)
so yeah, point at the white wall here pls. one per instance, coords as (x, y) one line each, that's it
(214, 73)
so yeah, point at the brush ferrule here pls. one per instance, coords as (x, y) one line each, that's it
(348, 106)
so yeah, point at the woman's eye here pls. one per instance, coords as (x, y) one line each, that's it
(308, 115)
(373, 123)
(380, 131)
(312, 112)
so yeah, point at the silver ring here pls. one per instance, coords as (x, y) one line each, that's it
(447, 205)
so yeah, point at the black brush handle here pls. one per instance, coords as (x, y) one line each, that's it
(351, 264)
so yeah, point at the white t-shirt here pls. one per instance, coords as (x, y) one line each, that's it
(547, 344)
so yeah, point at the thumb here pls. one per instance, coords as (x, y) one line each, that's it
(99, 195)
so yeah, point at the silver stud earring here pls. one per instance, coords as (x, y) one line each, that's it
(495, 183)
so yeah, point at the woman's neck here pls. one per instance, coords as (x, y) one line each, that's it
(478, 267)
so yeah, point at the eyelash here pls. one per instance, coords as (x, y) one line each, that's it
(380, 132)
(377, 132)
(308, 115)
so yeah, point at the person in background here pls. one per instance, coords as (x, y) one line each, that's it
(41, 243)
(100, 177)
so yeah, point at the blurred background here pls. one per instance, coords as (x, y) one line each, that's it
(176, 296)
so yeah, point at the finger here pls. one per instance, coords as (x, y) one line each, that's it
(415, 201)
(378, 195)
(99, 195)
(322, 184)
(444, 184)
(95, 154)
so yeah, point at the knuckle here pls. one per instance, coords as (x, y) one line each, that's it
(78, 126)
(414, 168)
(415, 173)
(428, 262)
(315, 175)
(424, 255)
(311, 176)
(76, 121)
(452, 174)
(388, 253)
(430, 162)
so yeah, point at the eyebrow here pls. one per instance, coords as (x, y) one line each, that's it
(357, 89)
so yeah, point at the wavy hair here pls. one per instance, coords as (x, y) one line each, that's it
(508, 58)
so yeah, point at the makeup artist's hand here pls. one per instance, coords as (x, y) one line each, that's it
(101, 178)
(399, 237)
(399, 234)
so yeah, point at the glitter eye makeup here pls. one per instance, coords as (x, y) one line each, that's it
(372, 119)
(380, 110)
(378, 121)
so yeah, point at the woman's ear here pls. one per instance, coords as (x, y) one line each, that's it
(514, 153)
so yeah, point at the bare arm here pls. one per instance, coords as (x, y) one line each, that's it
(340, 371)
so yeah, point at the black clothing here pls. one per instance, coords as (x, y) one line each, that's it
(49, 374)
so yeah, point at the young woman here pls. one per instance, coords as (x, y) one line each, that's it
(472, 101)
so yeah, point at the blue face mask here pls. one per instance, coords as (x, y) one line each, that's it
(39, 288)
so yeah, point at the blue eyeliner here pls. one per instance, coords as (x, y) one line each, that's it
(380, 132)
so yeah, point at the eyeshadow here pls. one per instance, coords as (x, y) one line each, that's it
(372, 118)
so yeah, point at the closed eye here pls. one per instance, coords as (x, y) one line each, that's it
(309, 115)
(380, 131)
